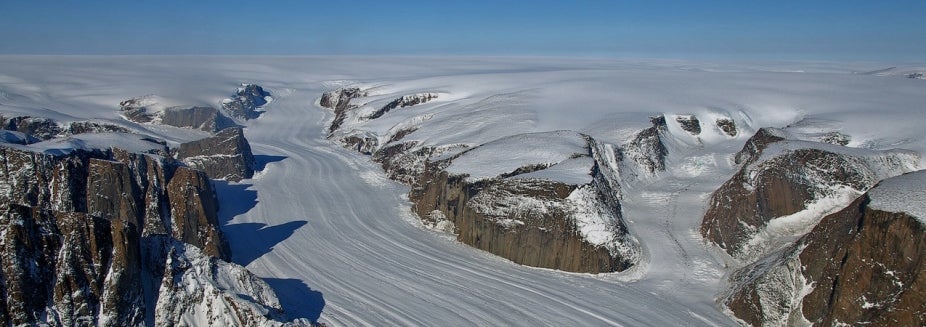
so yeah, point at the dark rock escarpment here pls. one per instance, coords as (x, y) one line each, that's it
(246, 102)
(786, 181)
(77, 233)
(227, 155)
(862, 265)
(404, 101)
(546, 238)
(689, 123)
(535, 221)
(203, 118)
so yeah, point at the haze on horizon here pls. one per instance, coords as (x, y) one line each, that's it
(807, 30)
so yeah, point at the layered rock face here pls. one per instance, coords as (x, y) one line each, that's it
(863, 265)
(784, 186)
(556, 206)
(544, 215)
(112, 238)
(203, 118)
(227, 155)
(246, 102)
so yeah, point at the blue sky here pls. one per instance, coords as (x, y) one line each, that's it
(818, 30)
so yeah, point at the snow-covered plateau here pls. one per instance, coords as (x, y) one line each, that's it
(343, 146)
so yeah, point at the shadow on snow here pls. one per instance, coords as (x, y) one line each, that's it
(297, 298)
(261, 161)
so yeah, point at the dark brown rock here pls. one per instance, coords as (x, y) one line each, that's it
(758, 142)
(194, 207)
(779, 186)
(227, 155)
(866, 267)
(544, 238)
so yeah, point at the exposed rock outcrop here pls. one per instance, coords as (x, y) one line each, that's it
(689, 123)
(247, 102)
(203, 118)
(404, 101)
(794, 183)
(38, 128)
(863, 265)
(645, 155)
(339, 101)
(154, 109)
(556, 206)
(227, 155)
(531, 220)
(727, 126)
(41, 128)
(113, 238)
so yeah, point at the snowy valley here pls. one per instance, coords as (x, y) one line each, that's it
(370, 191)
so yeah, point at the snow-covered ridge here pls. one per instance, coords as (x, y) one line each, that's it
(528, 152)
(135, 143)
(905, 193)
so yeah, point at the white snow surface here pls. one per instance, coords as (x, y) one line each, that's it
(336, 247)
(905, 193)
(135, 143)
(506, 155)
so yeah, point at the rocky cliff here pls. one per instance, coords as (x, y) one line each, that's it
(562, 215)
(863, 265)
(784, 186)
(227, 155)
(104, 236)
(151, 109)
(203, 118)
(552, 202)
(247, 102)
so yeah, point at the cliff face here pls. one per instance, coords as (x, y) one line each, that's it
(227, 155)
(111, 238)
(246, 102)
(531, 222)
(203, 118)
(554, 206)
(792, 182)
(863, 265)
